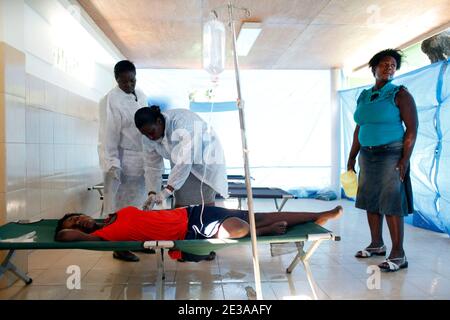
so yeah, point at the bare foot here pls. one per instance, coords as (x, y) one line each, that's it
(278, 227)
(332, 214)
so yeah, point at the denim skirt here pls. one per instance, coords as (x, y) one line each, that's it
(379, 187)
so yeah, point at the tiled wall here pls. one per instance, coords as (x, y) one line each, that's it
(48, 145)
(61, 150)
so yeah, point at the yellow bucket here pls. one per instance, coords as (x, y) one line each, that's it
(349, 183)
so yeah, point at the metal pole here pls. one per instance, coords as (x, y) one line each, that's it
(335, 75)
(251, 213)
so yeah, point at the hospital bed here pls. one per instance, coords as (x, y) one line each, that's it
(40, 236)
(239, 191)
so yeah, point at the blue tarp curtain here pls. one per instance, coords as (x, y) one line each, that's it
(430, 162)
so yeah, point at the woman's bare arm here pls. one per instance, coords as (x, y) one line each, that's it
(408, 113)
(67, 235)
(354, 150)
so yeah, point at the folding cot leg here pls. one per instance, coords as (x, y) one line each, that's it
(297, 258)
(304, 258)
(8, 265)
(160, 276)
(102, 200)
(101, 194)
(279, 208)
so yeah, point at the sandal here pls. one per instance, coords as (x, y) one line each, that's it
(390, 266)
(368, 252)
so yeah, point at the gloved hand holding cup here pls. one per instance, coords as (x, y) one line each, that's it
(156, 199)
(115, 173)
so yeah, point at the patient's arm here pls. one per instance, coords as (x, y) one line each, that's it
(67, 235)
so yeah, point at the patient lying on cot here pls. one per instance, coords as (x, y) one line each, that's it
(187, 223)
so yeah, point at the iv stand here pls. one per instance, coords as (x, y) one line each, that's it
(245, 151)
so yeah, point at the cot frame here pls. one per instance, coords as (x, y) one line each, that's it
(303, 255)
(279, 207)
(160, 246)
(7, 265)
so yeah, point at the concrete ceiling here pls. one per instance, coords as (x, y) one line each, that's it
(296, 34)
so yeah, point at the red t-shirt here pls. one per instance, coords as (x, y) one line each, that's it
(132, 224)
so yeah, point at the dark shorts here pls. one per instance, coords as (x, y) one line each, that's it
(206, 225)
(379, 187)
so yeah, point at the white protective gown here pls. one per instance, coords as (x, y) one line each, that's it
(190, 148)
(120, 145)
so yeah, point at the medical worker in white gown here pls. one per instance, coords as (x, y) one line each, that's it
(196, 156)
(120, 145)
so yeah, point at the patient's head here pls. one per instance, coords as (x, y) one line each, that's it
(77, 221)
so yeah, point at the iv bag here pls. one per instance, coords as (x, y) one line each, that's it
(214, 47)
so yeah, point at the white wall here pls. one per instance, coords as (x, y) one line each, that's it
(26, 25)
(12, 23)
(48, 139)
(43, 23)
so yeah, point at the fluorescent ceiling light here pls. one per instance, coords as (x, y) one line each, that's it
(247, 37)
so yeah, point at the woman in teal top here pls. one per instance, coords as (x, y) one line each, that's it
(384, 137)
